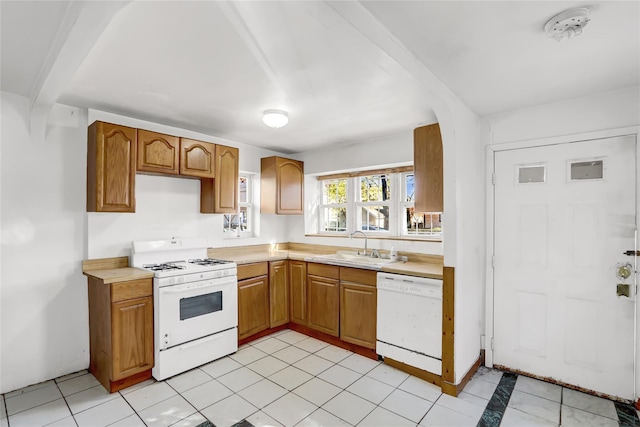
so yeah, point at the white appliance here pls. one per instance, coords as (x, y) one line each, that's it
(409, 325)
(195, 303)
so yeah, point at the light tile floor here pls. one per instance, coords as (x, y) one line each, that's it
(289, 379)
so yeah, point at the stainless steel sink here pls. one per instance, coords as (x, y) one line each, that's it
(351, 259)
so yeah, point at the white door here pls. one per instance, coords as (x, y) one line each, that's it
(564, 215)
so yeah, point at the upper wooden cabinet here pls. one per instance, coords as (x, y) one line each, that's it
(220, 195)
(115, 153)
(158, 153)
(226, 184)
(111, 168)
(197, 158)
(428, 169)
(281, 186)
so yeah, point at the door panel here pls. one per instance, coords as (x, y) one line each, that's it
(562, 223)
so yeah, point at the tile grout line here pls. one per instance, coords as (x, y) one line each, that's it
(65, 400)
(494, 412)
(316, 376)
(376, 405)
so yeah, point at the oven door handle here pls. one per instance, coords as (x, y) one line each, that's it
(184, 289)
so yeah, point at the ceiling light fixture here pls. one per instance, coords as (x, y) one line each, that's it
(275, 118)
(567, 24)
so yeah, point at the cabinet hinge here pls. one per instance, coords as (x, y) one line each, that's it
(493, 178)
(492, 346)
(493, 261)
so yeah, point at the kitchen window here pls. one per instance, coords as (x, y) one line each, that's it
(417, 223)
(240, 223)
(381, 203)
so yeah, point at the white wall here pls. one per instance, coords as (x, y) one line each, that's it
(605, 110)
(43, 294)
(168, 206)
(44, 323)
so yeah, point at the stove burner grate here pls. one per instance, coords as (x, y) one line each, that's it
(163, 267)
(208, 261)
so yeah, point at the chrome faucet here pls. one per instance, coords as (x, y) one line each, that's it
(365, 240)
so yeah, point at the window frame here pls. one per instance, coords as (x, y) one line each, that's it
(323, 207)
(397, 203)
(249, 207)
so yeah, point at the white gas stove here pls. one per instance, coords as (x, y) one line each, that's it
(195, 303)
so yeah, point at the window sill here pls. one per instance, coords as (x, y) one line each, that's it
(378, 237)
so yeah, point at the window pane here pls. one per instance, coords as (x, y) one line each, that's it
(409, 189)
(243, 220)
(334, 191)
(230, 223)
(375, 188)
(335, 219)
(374, 218)
(244, 194)
(587, 170)
(421, 223)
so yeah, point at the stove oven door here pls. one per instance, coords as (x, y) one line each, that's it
(189, 311)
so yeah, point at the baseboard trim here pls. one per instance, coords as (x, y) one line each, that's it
(567, 385)
(455, 389)
(129, 381)
(416, 372)
(261, 334)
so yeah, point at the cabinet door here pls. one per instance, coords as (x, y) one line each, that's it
(158, 153)
(111, 168)
(281, 186)
(323, 300)
(131, 336)
(196, 158)
(358, 314)
(428, 169)
(253, 306)
(278, 293)
(298, 292)
(226, 181)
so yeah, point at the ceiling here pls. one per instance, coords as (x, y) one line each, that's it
(214, 66)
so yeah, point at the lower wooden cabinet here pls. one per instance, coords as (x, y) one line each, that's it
(278, 293)
(298, 292)
(358, 305)
(120, 332)
(323, 298)
(132, 329)
(253, 306)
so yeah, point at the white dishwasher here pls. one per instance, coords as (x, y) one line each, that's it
(409, 325)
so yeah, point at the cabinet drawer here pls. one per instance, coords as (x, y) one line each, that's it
(323, 270)
(357, 275)
(253, 270)
(131, 289)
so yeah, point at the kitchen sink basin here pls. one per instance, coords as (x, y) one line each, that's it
(351, 259)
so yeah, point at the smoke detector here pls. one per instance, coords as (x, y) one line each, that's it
(567, 24)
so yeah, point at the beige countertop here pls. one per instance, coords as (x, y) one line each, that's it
(419, 269)
(114, 270)
(123, 274)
